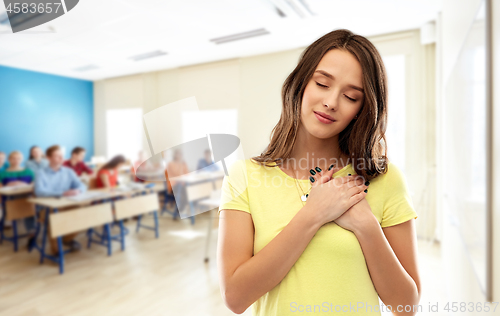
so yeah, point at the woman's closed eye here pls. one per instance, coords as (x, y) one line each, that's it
(353, 100)
(323, 86)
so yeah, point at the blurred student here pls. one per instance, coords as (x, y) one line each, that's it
(177, 167)
(3, 161)
(36, 161)
(16, 175)
(76, 162)
(58, 180)
(107, 176)
(207, 163)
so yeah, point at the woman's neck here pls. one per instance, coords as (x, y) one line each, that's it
(310, 152)
(14, 168)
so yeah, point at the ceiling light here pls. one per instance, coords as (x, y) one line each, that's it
(155, 53)
(239, 36)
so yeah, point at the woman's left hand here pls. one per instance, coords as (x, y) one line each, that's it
(356, 217)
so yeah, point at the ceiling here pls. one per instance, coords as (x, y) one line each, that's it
(97, 38)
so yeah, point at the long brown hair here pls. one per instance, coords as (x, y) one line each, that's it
(361, 139)
(115, 161)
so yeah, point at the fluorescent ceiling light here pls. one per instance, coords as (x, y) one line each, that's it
(240, 36)
(155, 53)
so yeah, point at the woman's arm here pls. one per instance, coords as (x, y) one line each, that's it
(391, 256)
(105, 180)
(245, 277)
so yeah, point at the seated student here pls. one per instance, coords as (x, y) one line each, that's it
(175, 168)
(16, 175)
(36, 160)
(3, 163)
(107, 176)
(206, 163)
(57, 180)
(76, 162)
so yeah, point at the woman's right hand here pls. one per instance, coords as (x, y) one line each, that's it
(330, 198)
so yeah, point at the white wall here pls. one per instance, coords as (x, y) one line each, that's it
(252, 85)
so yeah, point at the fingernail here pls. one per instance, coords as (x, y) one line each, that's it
(312, 179)
(312, 172)
(366, 190)
(367, 183)
(318, 169)
(330, 168)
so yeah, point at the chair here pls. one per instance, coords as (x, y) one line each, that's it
(167, 197)
(136, 206)
(14, 210)
(73, 221)
(92, 183)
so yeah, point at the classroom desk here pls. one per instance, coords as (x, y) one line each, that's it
(10, 193)
(199, 177)
(55, 204)
(196, 178)
(155, 175)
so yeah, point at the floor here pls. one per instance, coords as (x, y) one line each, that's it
(165, 276)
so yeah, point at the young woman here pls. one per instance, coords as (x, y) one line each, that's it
(36, 160)
(299, 229)
(16, 175)
(107, 176)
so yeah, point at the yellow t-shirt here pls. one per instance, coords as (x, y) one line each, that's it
(331, 275)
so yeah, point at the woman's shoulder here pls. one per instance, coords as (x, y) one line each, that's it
(102, 171)
(393, 178)
(27, 171)
(250, 164)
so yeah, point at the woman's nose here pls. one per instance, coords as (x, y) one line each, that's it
(332, 100)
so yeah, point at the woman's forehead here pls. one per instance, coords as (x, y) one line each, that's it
(342, 64)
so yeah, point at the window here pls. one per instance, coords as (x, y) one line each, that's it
(197, 124)
(396, 125)
(124, 132)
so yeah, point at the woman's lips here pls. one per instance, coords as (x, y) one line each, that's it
(322, 119)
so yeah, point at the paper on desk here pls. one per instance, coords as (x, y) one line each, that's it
(15, 187)
(86, 196)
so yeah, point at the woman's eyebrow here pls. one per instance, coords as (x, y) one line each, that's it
(328, 75)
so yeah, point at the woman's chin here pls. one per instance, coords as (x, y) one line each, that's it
(323, 134)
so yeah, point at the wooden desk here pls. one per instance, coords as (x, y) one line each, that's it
(57, 203)
(10, 193)
(198, 177)
(17, 190)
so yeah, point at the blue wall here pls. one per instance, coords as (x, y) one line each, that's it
(42, 109)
